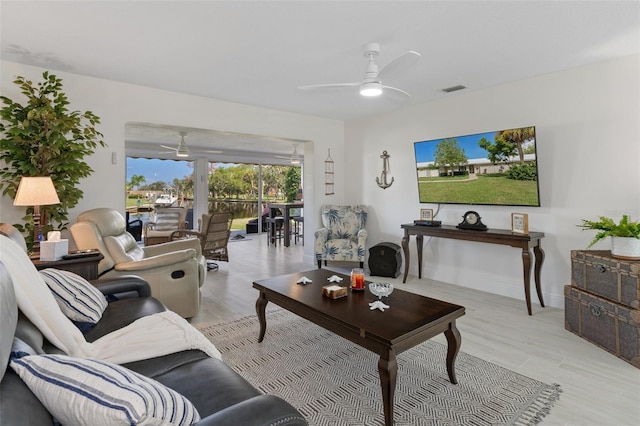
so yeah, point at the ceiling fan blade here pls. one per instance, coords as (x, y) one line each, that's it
(329, 86)
(205, 151)
(169, 147)
(395, 91)
(400, 63)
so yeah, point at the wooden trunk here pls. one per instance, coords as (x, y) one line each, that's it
(597, 272)
(612, 326)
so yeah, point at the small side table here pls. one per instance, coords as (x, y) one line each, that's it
(86, 267)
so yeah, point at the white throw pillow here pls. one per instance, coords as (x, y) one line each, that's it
(78, 299)
(81, 391)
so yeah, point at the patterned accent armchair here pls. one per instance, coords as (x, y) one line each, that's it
(343, 236)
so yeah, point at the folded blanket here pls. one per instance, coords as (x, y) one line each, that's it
(148, 337)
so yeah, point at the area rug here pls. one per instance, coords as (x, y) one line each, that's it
(333, 382)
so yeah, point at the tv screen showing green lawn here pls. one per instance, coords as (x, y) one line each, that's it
(491, 168)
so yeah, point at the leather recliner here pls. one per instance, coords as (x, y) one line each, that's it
(175, 270)
(221, 396)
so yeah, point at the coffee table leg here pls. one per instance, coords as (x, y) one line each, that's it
(453, 346)
(261, 305)
(388, 370)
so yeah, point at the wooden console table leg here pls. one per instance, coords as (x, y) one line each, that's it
(539, 254)
(419, 240)
(526, 265)
(405, 249)
(261, 305)
(388, 370)
(453, 346)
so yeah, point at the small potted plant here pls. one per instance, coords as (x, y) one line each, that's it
(625, 236)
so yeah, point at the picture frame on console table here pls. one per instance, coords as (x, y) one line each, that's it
(426, 214)
(520, 223)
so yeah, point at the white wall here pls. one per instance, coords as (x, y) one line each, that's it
(117, 103)
(588, 140)
(588, 136)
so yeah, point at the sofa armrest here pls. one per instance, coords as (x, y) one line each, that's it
(321, 236)
(184, 234)
(362, 237)
(124, 284)
(166, 259)
(262, 410)
(171, 246)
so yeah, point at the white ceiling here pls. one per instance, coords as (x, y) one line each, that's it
(258, 52)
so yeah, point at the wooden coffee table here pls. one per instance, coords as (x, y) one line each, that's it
(411, 320)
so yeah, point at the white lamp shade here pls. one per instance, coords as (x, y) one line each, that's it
(36, 191)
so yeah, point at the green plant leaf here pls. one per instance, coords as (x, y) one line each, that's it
(42, 138)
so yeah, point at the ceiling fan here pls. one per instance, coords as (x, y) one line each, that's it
(371, 83)
(182, 150)
(294, 158)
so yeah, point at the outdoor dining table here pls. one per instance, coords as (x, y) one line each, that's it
(286, 210)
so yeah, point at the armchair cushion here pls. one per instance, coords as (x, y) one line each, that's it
(80, 301)
(86, 391)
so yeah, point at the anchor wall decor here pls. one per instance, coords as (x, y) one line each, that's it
(382, 180)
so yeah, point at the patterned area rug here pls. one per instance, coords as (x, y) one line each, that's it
(331, 381)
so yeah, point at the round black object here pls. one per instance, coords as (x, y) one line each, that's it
(385, 260)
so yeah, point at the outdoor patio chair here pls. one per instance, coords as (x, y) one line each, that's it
(214, 237)
(167, 220)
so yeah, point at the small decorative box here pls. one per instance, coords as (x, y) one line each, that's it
(334, 291)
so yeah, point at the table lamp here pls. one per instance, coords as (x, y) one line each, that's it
(36, 191)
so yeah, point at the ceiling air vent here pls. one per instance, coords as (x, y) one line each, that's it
(454, 88)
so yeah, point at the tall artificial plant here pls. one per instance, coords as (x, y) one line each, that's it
(43, 138)
(292, 179)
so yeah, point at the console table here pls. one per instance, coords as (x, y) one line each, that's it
(493, 236)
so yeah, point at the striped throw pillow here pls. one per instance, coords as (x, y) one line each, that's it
(78, 299)
(81, 391)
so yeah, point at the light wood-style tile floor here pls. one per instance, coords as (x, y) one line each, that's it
(598, 388)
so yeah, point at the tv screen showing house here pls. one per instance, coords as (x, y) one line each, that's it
(492, 168)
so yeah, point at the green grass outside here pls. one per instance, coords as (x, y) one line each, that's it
(239, 224)
(484, 190)
(443, 178)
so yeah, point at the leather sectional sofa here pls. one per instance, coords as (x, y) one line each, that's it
(221, 396)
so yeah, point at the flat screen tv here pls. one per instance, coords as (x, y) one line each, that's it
(492, 168)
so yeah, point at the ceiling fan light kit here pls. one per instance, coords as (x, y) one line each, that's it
(371, 83)
(371, 89)
(295, 158)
